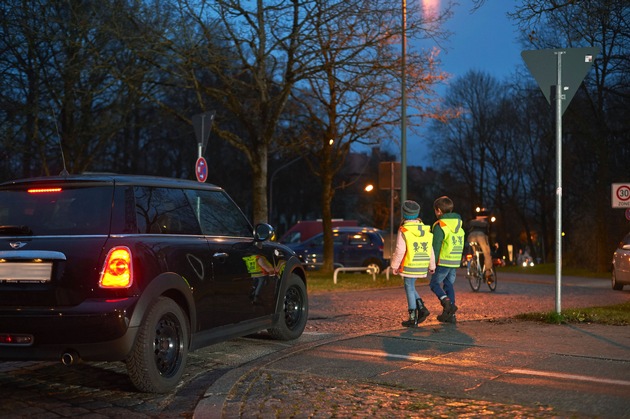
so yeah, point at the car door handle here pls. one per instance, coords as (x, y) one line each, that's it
(220, 255)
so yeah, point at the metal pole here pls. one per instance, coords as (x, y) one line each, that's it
(559, 97)
(200, 149)
(391, 209)
(403, 110)
(199, 155)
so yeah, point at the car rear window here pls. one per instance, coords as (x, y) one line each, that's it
(56, 210)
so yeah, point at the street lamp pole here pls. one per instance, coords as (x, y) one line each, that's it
(403, 110)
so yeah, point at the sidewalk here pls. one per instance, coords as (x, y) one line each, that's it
(268, 388)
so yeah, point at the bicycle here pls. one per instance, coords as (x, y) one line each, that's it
(475, 271)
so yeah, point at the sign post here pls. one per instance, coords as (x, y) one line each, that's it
(546, 66)
(390, 177)
(202, 124)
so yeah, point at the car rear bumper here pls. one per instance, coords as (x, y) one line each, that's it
(96, 330)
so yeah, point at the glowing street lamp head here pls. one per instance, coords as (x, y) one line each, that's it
(431, 8)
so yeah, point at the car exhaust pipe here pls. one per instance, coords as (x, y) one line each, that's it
(69, 358)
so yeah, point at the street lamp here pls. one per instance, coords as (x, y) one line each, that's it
(403, 110)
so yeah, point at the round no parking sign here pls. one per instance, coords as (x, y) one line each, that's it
(201, 169)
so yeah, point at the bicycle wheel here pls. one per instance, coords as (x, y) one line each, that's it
(474, 279)
(492, 283)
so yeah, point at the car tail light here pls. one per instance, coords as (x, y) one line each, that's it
(468, 256)
(117, 271)
(43, 190)
(12, 339)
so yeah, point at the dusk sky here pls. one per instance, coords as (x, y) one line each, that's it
(484, 40)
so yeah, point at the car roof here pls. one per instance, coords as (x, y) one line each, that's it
(115, 178)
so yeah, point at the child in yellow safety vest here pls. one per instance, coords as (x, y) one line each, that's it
(448, 245)
(413, 258)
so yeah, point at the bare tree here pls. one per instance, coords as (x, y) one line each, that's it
(467, 142)
(241, 59)
(594, 121)
(496, 148)
(56, 80)
(525, 127)
(354, 97)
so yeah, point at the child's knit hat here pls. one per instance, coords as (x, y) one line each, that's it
(410, 210)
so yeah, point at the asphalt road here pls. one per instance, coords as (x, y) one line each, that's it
(357, 336)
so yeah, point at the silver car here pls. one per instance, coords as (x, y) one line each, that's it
(621, 264)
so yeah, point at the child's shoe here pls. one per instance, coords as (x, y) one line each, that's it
(413, 320)
(421, 311)
(448, 309)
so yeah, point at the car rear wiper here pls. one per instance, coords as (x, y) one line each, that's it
(8, 230)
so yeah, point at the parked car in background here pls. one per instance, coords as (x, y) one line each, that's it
(137, 269)
(304, 230)
(621, 264)
(353, 247)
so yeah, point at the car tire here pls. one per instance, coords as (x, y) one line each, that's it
(159, 354)
(616, 285)
(294, 315)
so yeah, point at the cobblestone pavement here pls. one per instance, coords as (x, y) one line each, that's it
(265, 391)
(95, 390)
(380, 310)
(285, 398)
(103, 390)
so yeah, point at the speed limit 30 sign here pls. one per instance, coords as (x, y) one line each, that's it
(621, 195)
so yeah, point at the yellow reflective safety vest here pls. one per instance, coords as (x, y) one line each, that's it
(253, 264)
(453, 243)
(418, 240)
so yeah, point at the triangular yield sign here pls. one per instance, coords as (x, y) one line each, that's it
(575, 63)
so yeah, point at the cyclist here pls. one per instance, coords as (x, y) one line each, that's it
(478, 232)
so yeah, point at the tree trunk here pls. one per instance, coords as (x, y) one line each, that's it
(327, 196)
(259, 182)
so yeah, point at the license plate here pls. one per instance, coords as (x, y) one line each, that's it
(25, 272)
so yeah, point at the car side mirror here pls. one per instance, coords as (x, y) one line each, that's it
(264, 232)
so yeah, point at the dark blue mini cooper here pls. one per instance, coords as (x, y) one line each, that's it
(138, 269)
